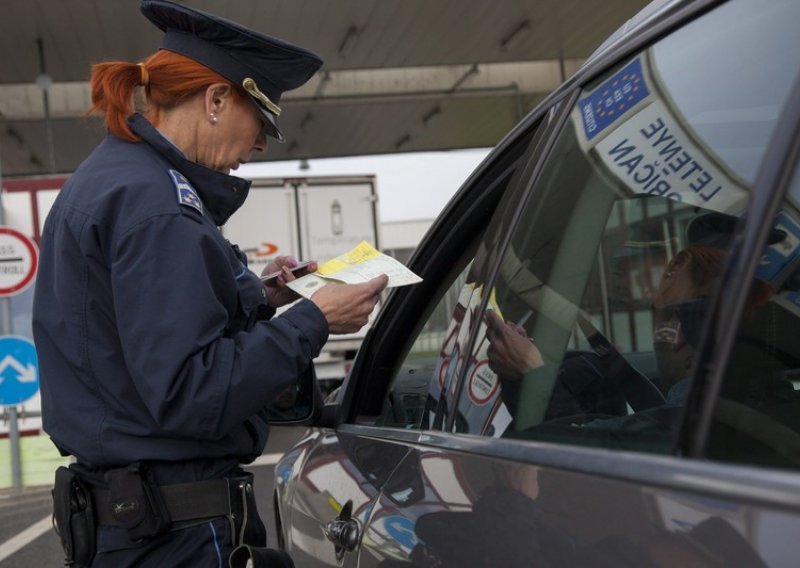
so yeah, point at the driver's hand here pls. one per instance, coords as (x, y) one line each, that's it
(511, 353)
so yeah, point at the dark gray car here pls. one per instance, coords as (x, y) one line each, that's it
(601, 365)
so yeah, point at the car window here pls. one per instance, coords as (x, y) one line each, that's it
(602, 296)
(423, 388)
(757, 415)
(409, 403)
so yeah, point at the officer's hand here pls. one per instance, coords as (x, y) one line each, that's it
(278, 294)
(511, 354)
(347, 306)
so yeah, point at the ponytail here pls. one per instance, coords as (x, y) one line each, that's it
(113, 84)
(167, 79)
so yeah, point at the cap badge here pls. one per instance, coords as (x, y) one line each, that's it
(252, 89)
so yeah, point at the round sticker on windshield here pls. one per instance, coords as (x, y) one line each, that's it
(444, 365)
(483, 383)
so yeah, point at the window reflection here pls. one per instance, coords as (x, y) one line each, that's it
(604, 293)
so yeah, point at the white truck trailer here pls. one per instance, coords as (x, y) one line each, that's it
(313, 218)
(310, 218)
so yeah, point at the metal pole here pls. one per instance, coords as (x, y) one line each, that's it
(13, 426)
(7, 325)
(13, 439)
(48, 124)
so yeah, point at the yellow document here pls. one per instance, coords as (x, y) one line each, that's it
(358, 265)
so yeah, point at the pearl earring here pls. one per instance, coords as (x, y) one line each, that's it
(213, 118)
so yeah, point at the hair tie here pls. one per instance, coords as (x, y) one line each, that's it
(144, 75)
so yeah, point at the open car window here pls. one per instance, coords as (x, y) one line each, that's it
(426, 368)
(425, 350)
(603, 294)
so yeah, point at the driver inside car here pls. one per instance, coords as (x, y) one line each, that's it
(591, 384)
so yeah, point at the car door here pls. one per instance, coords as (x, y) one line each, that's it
(616, 383)
(580, 376)
(331, 481)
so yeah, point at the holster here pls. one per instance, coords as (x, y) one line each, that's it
(259, 558)
(250, 535)
(73, 518)
(249, 529)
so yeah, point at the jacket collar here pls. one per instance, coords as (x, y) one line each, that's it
(221, 194)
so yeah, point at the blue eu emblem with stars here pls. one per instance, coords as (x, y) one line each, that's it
(611, 100)
(19, 370)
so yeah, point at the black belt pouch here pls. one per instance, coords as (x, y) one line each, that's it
(136, 501)
(74, 518)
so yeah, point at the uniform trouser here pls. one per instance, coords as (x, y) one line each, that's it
(188, 542)
(204, 545)
(208, 544)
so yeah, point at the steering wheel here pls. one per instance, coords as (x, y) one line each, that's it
(581, 419)
(639, 391)
(761, 427)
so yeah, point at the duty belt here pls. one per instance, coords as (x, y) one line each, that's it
(184, 501)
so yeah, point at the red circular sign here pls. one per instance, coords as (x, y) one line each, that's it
(444, 363)
(483, 383)
(19, 259)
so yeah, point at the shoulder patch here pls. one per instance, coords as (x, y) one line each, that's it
(186, 193)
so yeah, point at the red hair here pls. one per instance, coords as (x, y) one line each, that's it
(707, 264)
(170, 79)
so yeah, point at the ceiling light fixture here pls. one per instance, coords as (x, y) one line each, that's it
(402, 141)
(323, 82)
(44, 81)
(14, 133)
(461, 80)
(430, 114)
(512, 40)
(348, 42)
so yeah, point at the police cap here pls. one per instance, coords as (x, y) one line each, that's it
(718, 230)
(263, 66)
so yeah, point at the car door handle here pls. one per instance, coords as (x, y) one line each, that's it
(343, 531)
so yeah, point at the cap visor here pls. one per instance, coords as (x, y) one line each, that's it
(272, 124)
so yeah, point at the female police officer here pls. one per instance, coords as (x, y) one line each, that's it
(157, 347)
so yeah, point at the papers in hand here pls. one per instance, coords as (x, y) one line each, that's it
(358, 265)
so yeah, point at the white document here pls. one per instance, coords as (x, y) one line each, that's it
(356, 266)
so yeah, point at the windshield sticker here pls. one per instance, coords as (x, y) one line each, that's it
(630, 124)
(652, 154)
(782, 255)
(614, 100)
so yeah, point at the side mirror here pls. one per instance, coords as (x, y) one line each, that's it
(298, 404)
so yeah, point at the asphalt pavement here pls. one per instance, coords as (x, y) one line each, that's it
(27, 537)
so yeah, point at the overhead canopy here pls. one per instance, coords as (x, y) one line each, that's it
(399, 75)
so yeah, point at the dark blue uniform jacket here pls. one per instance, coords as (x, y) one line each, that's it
(154, 340)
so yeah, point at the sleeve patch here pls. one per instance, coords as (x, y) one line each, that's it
(186, 193)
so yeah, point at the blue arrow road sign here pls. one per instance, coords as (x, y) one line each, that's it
(401, 530)
(19, 370)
